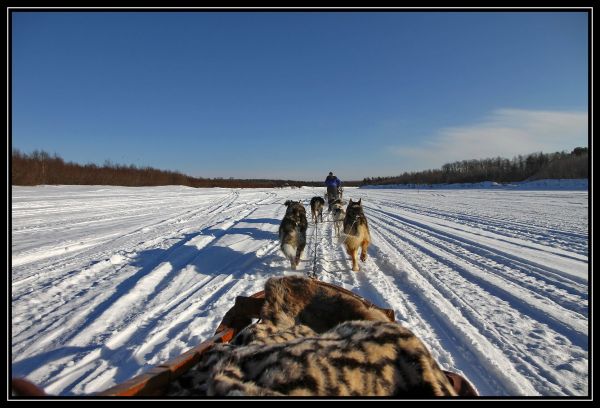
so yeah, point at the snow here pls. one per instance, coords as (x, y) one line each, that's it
(110, 281)
(553, 184)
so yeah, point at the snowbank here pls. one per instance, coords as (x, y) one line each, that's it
(549, 184)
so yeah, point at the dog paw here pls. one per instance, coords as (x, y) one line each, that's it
(363, 258)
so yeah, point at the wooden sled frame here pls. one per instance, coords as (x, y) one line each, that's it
(155, 381)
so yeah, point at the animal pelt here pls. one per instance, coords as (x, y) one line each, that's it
(315, 341)
(316, 208)
(356, 232)
(292, 231)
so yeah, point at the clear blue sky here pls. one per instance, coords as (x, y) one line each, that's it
(298, 94)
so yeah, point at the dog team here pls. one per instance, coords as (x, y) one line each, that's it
(351, 224)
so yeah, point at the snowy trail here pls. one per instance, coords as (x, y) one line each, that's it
(109, 281)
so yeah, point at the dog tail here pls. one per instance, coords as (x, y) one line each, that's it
(289, 251)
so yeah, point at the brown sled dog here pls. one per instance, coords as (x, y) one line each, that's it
(292, 231)
(356, 232)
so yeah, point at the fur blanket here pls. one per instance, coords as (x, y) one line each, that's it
(312, 340)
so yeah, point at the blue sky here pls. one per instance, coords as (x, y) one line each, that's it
(295, 95)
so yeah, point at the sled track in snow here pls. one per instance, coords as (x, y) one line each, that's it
(450, 270)
(89, 326)
(148, 274)
(573, 241)
(380, 281)
(497, 271)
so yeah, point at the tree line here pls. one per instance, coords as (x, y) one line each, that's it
(535, 166)
(39, 167)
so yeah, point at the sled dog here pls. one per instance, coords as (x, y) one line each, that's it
(356, 232)
(316, 208)
(292, 232)
(334, 197)
(338, 213)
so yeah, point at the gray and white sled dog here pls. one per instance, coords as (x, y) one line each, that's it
(338, 214)
(292, 232)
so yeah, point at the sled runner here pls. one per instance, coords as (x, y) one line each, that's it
(157, 380)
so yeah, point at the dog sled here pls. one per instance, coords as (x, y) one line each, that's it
(156, 381)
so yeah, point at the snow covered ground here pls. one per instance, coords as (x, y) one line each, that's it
(109, 281)
(546, 185)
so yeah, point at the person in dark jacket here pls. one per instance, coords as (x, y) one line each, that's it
(333, 184)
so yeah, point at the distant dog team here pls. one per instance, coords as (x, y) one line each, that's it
(351, 225)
